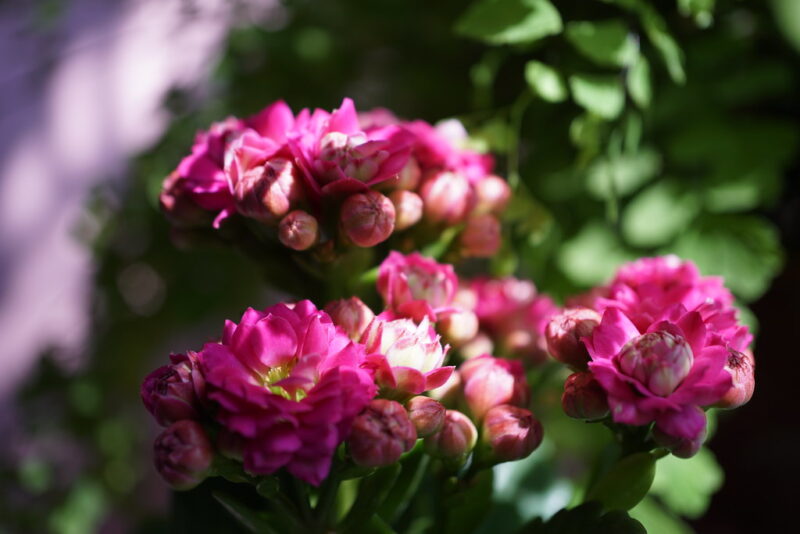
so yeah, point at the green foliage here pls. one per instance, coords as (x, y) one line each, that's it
(600, 94)
(627, 482)
(587, 517)
(545, 82)
(686, 486)
(509, 21)
(607, 42)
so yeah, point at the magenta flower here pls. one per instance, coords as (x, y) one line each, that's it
(337, 156)
(289, 383)
(415, 286)
(660, 374)
(438, 148)
(406, 357)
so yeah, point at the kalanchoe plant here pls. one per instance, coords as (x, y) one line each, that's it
(338, 412)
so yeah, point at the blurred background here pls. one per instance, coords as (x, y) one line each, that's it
(636, 128)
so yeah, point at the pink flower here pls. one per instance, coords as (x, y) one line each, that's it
(406, 357)
(289, 383)
(415, 286)
(202, 174)
(490, 382)
(337, 156)
(438, 147)
(659, 374)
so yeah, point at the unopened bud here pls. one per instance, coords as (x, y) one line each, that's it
(367, 218)
(407, 179)
(352, 315)
(381, 434)
(426, 414)
(447, 198)
(480, 344)
(742, 367)
(564, 333)
(455, 440)
(183, 454)
(510, 433)
(492, 194)
(168, 392)
(298, 230)
(268, 192)
(490, 382)
(584, 397)
(659, 360)
(481, 237)
(408, 208)
(457, 326)
(448, 392)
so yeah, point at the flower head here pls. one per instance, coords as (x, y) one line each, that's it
(415, 286)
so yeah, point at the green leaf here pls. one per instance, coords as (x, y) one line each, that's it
(588, 517)
(657, 520)
(600, 94)
(744, 250)
(686, 486)
(627, 171)
(545, 82)
(639, 82)
(250, 519)
(606, 42)
(592, 256)
(656, 215)
(626, 483)
(509, 21)
(468, 506)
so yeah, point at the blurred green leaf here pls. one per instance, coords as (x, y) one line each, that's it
(82, 511)
(744, 250)
(252, 520)
(627, 171)
(686, 485)
(545, 81)
(657, 214)
(626, 483)
(787, 18)
(468, 506)
(509, 21)
(592, 256)
(606, 42)
(600, 94)
(657, 520)
(588, 517)
(639, 82)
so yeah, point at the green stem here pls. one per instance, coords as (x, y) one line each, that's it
(514, 134)
(327, 498)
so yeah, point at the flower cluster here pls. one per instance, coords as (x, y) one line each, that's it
(320, 180)
(657, 345)
(286, 386)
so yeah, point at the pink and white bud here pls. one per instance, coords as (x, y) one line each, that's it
(183, 454)
(490, 382)
(447, 198)
(455, 440)
(477, 346)
(492, 194)
(426, 414)
(481, 237)
(659, 360)
(352, 315)
(584, 397)
(381, 434)
(407, 179)
(564, 333)
(407, 207)
(449, 392)
(170, 393)
(299, 230)
(267, 192)
(742, 367)
(510, 433)
(367, 218)
(457, 326)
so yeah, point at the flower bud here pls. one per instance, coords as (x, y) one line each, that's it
(448, 392)
(298, 230)
(268, 192)
(455, 440)
(564, 333)
(481, 237)
(367, 218)
(426, 414)
(492, 194)
(584, 397)
(447, 198)
(183, 454)
(381, 434)
(407, 179)
(351, 314)
(490, 382)
(179, 207)
(510, 433)
(742, 367)
(408, 207)
(457, 326)
(659, 360)
(169, 392)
